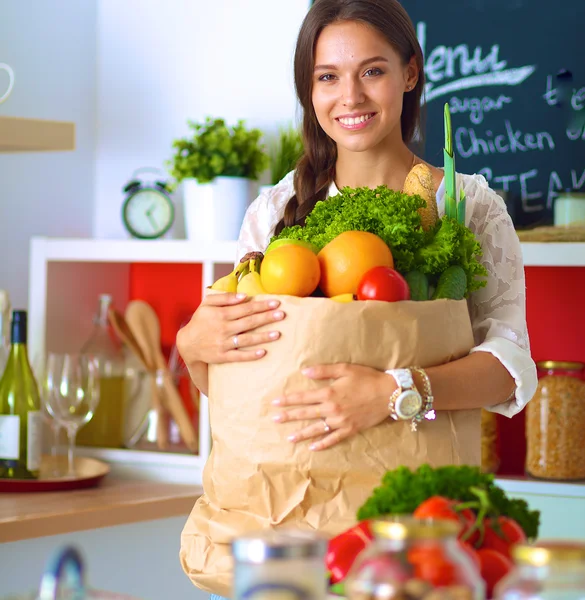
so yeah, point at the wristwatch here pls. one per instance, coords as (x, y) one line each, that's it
(405, 402)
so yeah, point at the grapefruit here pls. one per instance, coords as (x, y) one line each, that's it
(285, 241)
(290, 269)
(347, 258)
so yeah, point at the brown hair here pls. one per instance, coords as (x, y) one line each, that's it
(316, 168)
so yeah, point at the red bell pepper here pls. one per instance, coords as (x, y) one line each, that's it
(344, 548)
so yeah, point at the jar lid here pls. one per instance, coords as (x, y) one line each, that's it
(278, 545)
(560, 364)
(409, 528)
(545, 553)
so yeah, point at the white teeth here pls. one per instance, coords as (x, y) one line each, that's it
(352, 121)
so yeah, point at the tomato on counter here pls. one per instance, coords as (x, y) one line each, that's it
(501, 534)
(493, 567)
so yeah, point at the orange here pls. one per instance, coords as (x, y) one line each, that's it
(346, 258)
(292, 270)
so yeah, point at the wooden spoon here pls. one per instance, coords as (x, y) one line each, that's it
(124, 332)
(143, 321)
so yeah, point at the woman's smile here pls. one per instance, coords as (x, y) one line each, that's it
(356, 121)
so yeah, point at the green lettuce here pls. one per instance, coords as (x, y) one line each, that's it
(393, 216)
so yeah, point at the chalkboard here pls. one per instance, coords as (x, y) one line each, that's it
(513, 74)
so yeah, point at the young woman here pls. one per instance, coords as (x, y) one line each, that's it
(359, 78)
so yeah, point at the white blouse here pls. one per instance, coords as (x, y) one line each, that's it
(497, 311)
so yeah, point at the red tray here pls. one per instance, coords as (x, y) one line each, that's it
(89, 474)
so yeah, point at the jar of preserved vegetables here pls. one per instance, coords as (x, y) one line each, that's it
(415, 559)
(555, 421)
(545, 571)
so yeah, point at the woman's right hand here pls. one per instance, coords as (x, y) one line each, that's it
(222, 329)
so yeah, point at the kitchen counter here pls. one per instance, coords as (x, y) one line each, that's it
(117, 501)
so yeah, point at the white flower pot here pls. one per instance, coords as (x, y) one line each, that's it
(265, 188)
(214, 211)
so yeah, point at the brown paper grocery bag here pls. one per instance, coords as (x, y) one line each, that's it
(256, 479)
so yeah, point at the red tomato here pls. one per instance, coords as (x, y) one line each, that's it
(471, 552)
(493, 567)
(438, 507)
(437, 573)
(501, 534)
(383, 283)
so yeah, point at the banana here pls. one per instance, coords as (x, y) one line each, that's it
(343, 298)
(229, 283)
(250, 284)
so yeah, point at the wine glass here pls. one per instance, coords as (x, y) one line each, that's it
(71, 395)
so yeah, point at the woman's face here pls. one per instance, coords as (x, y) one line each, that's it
(358, 85)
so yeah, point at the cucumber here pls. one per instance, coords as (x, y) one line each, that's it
(418, 284)
(452, 284)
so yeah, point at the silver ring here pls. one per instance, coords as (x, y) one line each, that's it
(325, 426)
(235, 342)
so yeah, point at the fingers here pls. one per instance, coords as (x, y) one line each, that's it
(314, 430)
(254, 321)
(248, 340)
(327, 371)
(224, 299)
(317, 410)
(243, 355)
(336, 436)
(325, 439)
(249, 307)
(308, 397)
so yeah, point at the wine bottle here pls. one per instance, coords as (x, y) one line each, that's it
(4, 329)
(106, 428)
(20, 414)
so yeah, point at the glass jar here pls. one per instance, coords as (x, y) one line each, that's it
(555, 421)
(490, 454)
(415, 559)
(546, 571)
(280, 564)
(106, 428)
(569, 208)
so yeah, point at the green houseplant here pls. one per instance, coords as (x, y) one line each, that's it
(217, 166)
(284, 153)
(216, 150)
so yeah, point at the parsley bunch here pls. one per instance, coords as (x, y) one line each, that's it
(403, 490)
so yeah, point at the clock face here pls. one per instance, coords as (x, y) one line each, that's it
(148, 214)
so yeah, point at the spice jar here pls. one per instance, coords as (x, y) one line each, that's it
(280, 564)
(555, 421)
(490, 455)
(414, 559)
(546, 571)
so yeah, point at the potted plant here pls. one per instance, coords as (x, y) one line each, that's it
(217, 166)
(284, 154)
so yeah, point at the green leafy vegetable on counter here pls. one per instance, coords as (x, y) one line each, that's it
(403, 490)
(393, 216)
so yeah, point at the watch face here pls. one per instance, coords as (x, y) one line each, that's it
(408, 404)
(148, 214)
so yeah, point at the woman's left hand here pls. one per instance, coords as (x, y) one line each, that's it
(357, 399)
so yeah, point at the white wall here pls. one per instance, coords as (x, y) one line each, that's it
(52, 48)
(161, 63)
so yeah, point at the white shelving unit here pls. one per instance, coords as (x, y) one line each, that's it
(66, 275)
(554, 254)
(65, 278)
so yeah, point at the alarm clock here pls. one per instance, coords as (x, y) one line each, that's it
(148, 211)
